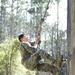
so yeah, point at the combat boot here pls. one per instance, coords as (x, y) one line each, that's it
(58, 63)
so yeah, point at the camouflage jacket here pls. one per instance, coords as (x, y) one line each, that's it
(26, 51)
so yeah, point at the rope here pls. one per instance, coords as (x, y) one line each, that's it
(47, 7)
(42, 19)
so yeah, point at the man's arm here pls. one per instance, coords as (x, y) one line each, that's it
(37, 41)
(30, 49)
(33, 43)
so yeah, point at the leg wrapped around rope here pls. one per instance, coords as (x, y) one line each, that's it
(47, 57)
(33, 63)
(45, 67)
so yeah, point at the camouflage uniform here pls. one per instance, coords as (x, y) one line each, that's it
(31, 57)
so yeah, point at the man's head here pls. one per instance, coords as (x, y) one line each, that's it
(22, 38)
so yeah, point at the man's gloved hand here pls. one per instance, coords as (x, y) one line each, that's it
(37, 39)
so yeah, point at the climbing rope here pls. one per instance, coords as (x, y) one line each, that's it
(47, 7)
(42, 19)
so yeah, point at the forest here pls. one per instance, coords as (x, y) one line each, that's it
(56, 17)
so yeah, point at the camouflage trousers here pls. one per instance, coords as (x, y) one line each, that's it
(33, 63)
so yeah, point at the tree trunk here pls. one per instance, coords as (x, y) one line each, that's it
(72, 37)
(68, 33)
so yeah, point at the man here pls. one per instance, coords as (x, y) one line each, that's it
(31, 56)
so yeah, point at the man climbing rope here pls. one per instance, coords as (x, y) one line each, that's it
(31, 56)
